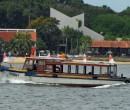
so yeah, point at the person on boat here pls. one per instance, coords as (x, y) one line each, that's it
(10, 59)
(63, 55)
(32, 52)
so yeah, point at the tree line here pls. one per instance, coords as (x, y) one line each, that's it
(35, 14)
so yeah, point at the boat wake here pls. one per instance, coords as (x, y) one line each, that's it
(109, 86)
(5, 79)
(18, 81)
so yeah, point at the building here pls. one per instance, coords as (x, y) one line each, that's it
(113, 47)
(7, 34)
(73, 22)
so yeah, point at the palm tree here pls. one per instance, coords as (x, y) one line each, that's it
(85, 41)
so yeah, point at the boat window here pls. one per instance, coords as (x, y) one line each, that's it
(113, 70)
(28, 64)
(80, 71)
(40, 62)
(35, 65)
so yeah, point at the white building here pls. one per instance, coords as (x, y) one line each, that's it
(73, 23)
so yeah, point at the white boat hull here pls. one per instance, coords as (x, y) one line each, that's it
(65, 81)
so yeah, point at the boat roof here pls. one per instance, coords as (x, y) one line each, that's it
(53, 61)
(44, 58)
(100, 64)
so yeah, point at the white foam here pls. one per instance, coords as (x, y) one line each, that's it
(104, 86)
(108, 86)
(16, 81)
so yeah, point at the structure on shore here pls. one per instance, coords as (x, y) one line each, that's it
(7, 34)
(117, 48)
(76, 22)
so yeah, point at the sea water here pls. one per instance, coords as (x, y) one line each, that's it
(21, 95)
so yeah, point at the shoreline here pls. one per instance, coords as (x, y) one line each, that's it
(22, 60)
(19, 59)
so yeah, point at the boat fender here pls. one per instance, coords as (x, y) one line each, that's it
(127, 81)
(55, 75)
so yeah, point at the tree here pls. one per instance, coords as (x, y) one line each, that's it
(112, 24)
(85, 41)
(126, 12)
(73, 37)
(77, 3)
(15, 16)
(3, 18)
(40, 44)
(20, 44)
(48, 31)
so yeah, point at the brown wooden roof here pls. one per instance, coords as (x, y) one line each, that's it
(111, 44)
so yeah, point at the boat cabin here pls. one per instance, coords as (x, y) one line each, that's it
(39, 63)
(61, 67)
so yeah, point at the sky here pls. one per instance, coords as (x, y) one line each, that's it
(116, 5)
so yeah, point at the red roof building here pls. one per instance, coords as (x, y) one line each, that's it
(7, 34)
(116, 47)
(111, 44)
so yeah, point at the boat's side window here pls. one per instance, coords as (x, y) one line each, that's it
(40, 66)
(40, 62)
(35, 65)
(29, 64)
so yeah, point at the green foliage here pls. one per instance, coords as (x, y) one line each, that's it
(65, 2)
(20, 44)
(77, 3)
(73, 37)
(12, 15)
(112, 24)
(48, 31)
(85, 41)
(126, 29)
(41, 45)
(126, 12)
(108, 36)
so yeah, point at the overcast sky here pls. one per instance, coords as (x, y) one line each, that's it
(116, 5)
